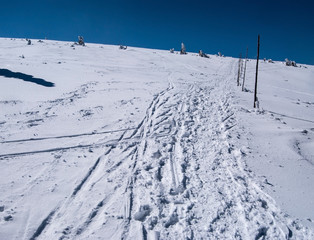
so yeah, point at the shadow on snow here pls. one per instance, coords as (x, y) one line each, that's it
(28, 78)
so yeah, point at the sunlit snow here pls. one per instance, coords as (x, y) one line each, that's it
(147, 144)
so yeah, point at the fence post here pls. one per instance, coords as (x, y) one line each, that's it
(247, 49)
(255, 92)
(238, 80)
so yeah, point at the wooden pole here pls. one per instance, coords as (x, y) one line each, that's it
(255, 92)
(247, 49)
(238, 80)
(241, 71)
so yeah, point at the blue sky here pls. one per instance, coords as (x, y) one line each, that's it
(286, 27)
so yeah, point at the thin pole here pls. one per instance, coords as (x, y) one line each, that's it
(241, 71)
(238, 80)
(255, 92)
(247, 49)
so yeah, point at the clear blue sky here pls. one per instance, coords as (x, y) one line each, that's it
(286, 27)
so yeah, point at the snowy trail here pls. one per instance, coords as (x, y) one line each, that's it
(198, 179)
(115, 171)
(181, 171)
(165, 165)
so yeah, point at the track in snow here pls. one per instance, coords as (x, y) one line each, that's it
(179, 174)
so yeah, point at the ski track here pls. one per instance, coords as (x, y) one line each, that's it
(177, 170)
(183, 179)
(67, 136)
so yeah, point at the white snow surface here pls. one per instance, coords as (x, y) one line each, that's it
(146, 144)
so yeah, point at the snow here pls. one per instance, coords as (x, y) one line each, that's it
(143, 143)
(282, 135)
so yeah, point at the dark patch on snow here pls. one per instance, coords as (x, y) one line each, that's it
(144, 233)
(163, 200)
(264, 203)
(157, 154)
(142, 213)
(25, 77)
(86, 113)
(148, 167)
(158, 174)
(299, 151)
(66, 232)
(290, 234)
(305, 132)
(172, 220)
(184, 181)
(43, 225)
(266, 181)
(261, 233)
(183, 167)
(8, 218)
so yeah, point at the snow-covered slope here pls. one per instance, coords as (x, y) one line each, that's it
(145, 144)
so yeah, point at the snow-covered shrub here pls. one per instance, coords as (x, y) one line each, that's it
(290, 63)
(270, 61)
(219, 54)
(123, 47)
(183, 49)
(29, 42)
(202, 54)
(81, 41)
(172, 50)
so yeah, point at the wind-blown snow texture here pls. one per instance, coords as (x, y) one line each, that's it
(145, 144)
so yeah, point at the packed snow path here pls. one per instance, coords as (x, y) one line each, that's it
(178, 173)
